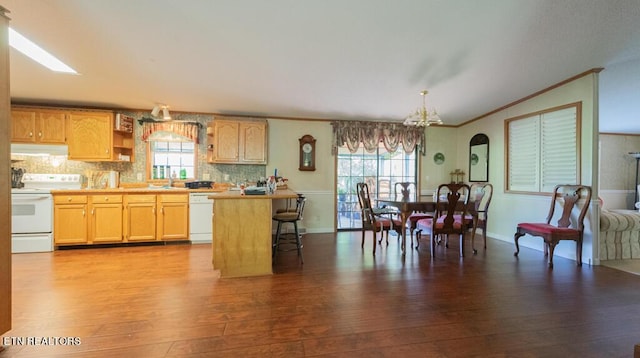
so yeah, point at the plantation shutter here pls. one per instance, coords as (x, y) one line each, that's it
(543, 150)
(524, 149)
(559, 149)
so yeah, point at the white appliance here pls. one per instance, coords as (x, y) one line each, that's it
(32, 210)
(200, 218)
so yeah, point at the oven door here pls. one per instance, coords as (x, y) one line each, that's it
(31, 213)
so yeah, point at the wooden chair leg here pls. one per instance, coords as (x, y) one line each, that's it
(473, 237)
(375, 238)
(552, 247)
(298, 242)
(484, 237)
(517, 236)
(579, 252)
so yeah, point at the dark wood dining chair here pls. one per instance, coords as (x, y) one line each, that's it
(406, 190)
(450, 215)
(370, 220)
(570, 197)
(479, 201)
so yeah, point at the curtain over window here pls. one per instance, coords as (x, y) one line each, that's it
(185, 129)
(351, 134)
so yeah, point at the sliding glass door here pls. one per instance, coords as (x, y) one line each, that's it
(380, 170)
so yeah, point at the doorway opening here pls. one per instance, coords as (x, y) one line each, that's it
(379, 169)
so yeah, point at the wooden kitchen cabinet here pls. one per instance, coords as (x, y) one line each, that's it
(105, 220)
(113, 218)
(140, 217)
(237, 141)
(173, 217)
(70, 223)
(90, 135)
(38, 126)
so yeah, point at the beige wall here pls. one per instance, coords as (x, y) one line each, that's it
(618, 170)
(318, 185)
(509, 209)
(438, 140)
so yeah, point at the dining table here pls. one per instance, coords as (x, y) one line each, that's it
(407, 205)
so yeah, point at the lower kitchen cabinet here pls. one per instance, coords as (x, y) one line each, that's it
(105, 218)
(173, 217)
(110, 218)
(140, 217)
(70, 224)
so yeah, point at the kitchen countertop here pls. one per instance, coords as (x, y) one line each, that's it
(235, 194)
(143, 190)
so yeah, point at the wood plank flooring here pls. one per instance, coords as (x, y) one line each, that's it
(166, 301)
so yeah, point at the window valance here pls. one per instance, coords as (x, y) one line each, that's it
(393, 135)
(185, 129)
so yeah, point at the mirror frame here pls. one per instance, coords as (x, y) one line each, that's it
(476, 140)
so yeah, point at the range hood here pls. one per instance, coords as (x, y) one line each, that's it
(39, 149)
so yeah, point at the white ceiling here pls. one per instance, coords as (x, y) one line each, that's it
(330, 59)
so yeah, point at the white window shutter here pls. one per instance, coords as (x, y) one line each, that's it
(543, 150)
(524, 149)
(559, 153)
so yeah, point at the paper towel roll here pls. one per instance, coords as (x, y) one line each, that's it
(113, 179)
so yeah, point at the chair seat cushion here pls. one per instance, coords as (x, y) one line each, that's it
(468, 218)
(386, 224)
(457, 222)
(548, 229)
(424, 224)
(415, 217)
(286, 216)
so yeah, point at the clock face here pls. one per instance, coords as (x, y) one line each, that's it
(306, 148)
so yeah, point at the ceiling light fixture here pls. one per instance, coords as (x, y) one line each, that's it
(165, 113)
(36, 53)
(155, 112)
(422, 117)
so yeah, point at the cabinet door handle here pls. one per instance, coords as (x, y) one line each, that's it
(162, 210)
(30, 134)
(153, 210)
(83, 212)
(93, 211)
(40, 134)
(106, 199)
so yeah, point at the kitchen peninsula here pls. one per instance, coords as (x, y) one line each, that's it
(242, 232)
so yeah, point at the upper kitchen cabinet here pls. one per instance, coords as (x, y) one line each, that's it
(237, 141)
(38, 126)
(94, 136)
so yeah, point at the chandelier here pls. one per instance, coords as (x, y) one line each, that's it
(422, 117)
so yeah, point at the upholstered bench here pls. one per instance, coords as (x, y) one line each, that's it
(619, 234)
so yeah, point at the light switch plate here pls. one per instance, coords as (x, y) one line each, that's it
(139, 176)
(206, 176)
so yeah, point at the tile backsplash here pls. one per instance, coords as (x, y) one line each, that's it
(129, 171)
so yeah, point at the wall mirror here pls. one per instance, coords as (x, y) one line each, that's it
(479, 158)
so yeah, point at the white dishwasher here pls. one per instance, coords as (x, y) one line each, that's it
(200, 218)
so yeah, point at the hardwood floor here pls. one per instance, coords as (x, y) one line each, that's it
(165, 301)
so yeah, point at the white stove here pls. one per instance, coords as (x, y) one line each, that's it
(32, 210)
(46, 182)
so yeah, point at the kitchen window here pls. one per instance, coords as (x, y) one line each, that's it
(179, 156)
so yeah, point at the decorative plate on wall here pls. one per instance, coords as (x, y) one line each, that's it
(438, 158)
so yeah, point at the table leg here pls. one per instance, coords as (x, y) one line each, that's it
(404, 216)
